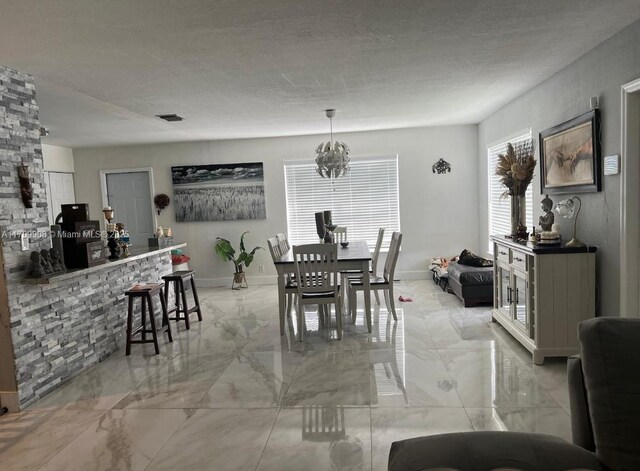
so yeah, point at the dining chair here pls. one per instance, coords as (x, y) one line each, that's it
(384, 282)
(283, 241)
(317, 281)
(289, 288)
(373, 271)
(340, 234)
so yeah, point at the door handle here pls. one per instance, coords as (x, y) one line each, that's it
(517, 296)
(508, 295)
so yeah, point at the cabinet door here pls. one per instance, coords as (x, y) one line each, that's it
(520, 304)
(504, 290)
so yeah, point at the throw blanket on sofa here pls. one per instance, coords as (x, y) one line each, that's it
(472, 260)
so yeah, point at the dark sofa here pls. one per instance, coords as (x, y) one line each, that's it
(473, 285)
(604, 390)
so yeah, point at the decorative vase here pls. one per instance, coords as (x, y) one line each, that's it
(239, 280)
(518, 215)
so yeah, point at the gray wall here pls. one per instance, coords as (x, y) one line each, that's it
(601, 73)
(432, 221)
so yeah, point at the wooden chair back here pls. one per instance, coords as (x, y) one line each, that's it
(340, 234)
(274, 248)
(283, 241)
(392, 257)
(376, 252)
(316, 267)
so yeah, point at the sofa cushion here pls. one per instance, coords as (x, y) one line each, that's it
(610, 362)
(467, 275)
(481, 451)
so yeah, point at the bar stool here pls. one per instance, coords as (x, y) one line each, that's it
(178, 280)
(145, 293)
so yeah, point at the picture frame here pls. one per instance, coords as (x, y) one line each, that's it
(218, 192)
(570, 156)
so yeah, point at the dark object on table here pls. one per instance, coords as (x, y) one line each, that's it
(56, 260)
(547, 219)
(323, 225)
(26, 190)
(472, 260)
(161, 201)
(73, 213)
(56, 239)
(344, 244)
(114, 247)
(45, 261)
(605, 417)
(86, 255)
(160, 242)
(473, 285)
(35, 269)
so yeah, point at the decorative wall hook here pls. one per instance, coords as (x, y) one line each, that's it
(26, 190)
(441, 166)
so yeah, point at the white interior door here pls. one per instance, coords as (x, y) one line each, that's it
(129, 194)
(60, 190)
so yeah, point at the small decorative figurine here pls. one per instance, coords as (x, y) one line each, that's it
(159, 231)
(546, 220)
(35, 269)
(56, 260)
(45, 260)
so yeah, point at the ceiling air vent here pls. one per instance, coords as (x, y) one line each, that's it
(170, 117)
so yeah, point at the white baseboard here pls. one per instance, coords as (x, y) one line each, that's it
(265, 280)
(226, 281)
(412, 275)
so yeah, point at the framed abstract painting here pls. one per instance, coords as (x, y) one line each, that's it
(570, 159)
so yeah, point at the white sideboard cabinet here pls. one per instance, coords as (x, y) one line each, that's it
(542, 293)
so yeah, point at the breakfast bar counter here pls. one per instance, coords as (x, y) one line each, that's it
(136, 254)
(65, 323)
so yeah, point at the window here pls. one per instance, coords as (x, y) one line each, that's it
(365, 200)
(499, 207)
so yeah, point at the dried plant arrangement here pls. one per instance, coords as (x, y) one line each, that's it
(515, 167)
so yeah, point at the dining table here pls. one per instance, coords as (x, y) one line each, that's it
(356, 256)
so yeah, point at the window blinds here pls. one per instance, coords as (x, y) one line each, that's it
(499, 207)
(363, 201)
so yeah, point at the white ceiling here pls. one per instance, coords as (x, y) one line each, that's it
(253, 68)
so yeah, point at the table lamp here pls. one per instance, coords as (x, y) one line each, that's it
(567, 209)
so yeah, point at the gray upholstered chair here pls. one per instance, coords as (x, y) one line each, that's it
(604, 389)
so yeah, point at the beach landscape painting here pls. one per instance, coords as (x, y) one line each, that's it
(218, 192)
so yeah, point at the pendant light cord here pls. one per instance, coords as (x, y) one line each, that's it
(331, 131)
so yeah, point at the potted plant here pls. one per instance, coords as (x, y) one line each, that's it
(227, 252)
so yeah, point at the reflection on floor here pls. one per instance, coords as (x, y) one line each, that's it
(231, 394)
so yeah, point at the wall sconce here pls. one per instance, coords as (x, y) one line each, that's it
(567, 209)
(441, 166)
(26, 190)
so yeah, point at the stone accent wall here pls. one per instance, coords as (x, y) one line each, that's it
(20, 145)
(51, 323)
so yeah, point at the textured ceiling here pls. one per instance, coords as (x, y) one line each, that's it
(253, 68)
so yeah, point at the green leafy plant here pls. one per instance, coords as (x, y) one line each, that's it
(227, 252)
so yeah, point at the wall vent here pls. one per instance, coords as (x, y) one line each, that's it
(170, 117)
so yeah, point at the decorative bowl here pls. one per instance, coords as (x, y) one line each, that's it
(344, 244)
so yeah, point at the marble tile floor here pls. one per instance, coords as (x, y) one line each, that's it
(231, 394)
